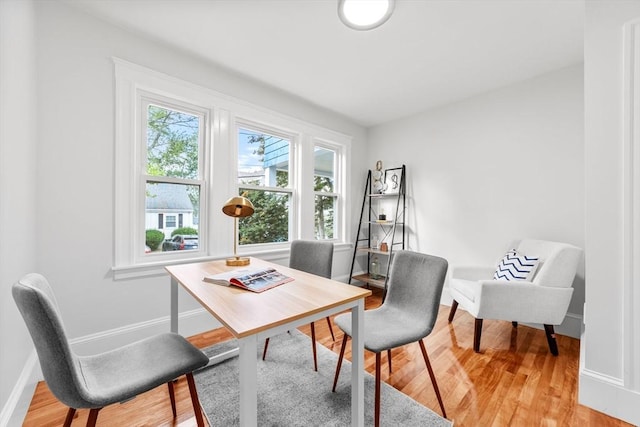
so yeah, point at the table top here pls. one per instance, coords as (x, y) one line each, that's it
(245, 313)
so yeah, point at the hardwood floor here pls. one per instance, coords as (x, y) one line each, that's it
(515, 381)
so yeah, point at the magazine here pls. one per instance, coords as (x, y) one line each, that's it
(253, 279)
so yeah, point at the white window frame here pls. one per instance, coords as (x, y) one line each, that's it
(144, 99)
(218, 179)
(293, 172)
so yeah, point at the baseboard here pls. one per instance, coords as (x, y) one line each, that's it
(190, 323)
(571, 325)
(608, 395)
(16, 407)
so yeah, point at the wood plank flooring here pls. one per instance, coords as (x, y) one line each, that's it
(515, 381)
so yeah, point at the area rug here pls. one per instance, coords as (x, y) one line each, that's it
(291, 393)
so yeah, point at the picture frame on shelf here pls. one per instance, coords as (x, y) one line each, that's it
(392, 180)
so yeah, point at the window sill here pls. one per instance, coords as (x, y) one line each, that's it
(157, 269)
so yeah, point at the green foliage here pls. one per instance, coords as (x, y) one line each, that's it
(324, 209)
(172, 143)
(185, 231)
(172, 147)
(270, 221)
(153, 238)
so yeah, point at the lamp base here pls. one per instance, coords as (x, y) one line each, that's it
(238, 261)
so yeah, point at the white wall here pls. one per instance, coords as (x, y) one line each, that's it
(498, 166)
(17, 189)
(76, 104)
(72, 174)
(610, 365)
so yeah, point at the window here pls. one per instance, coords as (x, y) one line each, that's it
(264, 162)
(326, 196)
(174, 142)
(172, 169)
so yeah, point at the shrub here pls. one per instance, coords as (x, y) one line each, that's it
(185, 231)
(153, 238)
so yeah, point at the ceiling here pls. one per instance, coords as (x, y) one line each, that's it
(429, 53)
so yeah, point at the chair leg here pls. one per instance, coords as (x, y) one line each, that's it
(70, 413)
(313, 346)
(551, 339)
(172, 397)
(264, 352)
(477, 334)
(389, 360)
(93, 417)
(433, 377)
(333, 337)
(194, 400)
(376, 421)
(344, 344)
(452, 313)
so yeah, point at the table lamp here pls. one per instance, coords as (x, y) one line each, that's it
(237, 207)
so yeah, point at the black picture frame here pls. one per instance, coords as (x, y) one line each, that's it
(392, 180)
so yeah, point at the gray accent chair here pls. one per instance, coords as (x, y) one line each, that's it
(93, 382)
(407, 314)
(315, 257)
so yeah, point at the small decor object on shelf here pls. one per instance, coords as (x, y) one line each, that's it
(378, 178)
(375, 268)
(374, 242)
(384, 247)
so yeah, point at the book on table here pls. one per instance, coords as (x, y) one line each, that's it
(252, 279)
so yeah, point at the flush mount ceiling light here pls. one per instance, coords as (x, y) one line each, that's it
(365, 14)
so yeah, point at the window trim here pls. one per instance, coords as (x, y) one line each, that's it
(220, 181)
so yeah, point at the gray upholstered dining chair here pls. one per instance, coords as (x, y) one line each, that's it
(407, 314)
(315, 257)
(93, 382)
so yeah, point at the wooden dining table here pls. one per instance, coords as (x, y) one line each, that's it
(251, 317)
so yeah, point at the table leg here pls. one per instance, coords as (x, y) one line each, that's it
(174, 306)
(248, 365)
(357, 365)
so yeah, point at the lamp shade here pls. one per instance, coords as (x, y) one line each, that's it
(238, 207)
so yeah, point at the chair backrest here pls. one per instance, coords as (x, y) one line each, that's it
(312, 256)
(37, 304)
(415, 286)
(558, 261)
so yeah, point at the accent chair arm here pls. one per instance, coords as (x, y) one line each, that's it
(522, 301)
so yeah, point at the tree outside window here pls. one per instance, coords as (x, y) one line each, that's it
(325, 195)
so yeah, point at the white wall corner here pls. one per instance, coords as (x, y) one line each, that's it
(16, 407)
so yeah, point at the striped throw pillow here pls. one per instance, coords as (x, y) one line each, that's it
(515, 266)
